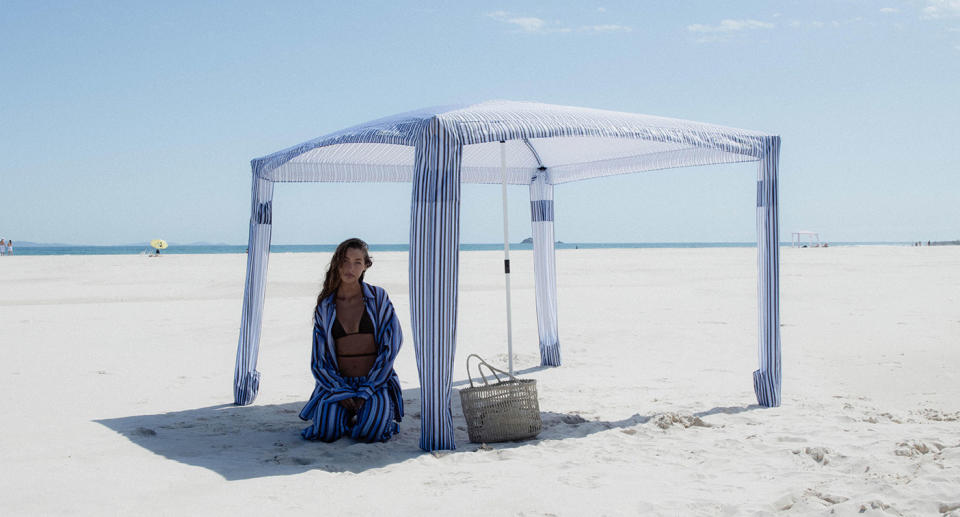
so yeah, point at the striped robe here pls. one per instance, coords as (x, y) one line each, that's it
(380, 389)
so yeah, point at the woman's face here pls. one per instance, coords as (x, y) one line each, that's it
(353, 266)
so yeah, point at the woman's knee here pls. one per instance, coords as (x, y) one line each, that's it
(375, 419)
(330, 424)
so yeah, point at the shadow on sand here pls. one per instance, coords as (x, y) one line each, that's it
(258, 441)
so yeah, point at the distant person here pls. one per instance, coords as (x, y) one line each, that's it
(9, 247)
(3, 247)
(357, 391)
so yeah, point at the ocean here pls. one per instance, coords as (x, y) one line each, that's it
(313, 248)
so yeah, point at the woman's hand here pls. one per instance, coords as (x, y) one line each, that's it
(353, 405)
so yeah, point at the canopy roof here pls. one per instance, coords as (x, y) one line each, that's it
(571, 143)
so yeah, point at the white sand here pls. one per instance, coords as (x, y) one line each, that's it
(117, 371)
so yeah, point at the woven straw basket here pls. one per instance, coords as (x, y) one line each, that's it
(501, 411)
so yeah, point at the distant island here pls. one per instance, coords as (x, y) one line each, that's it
(529, 240)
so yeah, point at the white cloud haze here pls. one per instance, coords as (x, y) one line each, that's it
(730, 26)
(941, 9)
(524, 23)
(532, 24)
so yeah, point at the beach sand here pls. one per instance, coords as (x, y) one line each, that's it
(117, 372)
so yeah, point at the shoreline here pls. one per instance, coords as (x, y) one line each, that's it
(47, 250)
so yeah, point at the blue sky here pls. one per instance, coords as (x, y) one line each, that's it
(126, 121)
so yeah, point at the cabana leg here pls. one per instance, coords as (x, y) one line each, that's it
(545, 268)
(246, 378)
(766, 380)
(434, 259)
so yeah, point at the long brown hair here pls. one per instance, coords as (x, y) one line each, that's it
(332, 281)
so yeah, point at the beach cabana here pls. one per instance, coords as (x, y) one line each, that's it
(811, 238)
(538, 145)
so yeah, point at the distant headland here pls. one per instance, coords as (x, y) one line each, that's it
(529, 240)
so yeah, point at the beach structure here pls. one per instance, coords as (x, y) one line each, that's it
(805, 238)
(519, 143)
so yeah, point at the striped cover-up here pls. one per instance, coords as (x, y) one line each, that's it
(380, 389)
(437, 149)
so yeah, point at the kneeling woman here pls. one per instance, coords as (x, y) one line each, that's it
(356, 337)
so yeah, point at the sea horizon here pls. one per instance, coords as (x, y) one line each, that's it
(36, 249)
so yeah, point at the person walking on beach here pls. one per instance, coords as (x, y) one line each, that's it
(9, 247)
(356, 338)
(3, 247)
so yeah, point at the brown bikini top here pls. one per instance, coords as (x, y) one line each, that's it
(366, 327)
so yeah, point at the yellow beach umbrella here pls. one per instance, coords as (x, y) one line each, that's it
(160, 244)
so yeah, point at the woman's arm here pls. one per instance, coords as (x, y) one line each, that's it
(323, 367)
(389, 337)
(319, 343)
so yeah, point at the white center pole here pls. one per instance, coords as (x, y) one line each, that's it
(506, 253)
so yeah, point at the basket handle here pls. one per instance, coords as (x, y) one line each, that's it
(490, 368)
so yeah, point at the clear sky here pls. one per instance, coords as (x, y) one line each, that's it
(125, 121)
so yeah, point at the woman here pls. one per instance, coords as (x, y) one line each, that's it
(356, 337)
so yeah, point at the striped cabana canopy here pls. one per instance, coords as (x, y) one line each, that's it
(534, 144)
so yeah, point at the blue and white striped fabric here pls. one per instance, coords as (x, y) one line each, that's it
(766, 380)
(573, 143)
(437, 149)
(434, 259)
(545, 268)
(246, 378)
(380, 389)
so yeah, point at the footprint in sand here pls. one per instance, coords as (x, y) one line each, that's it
(290, 460)
(817, 454)
(878, 505)
(829, 498)
(572, 419)
(667, 420)
(911, 448)
(939, 416)
(876, 419)
(551, 419)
